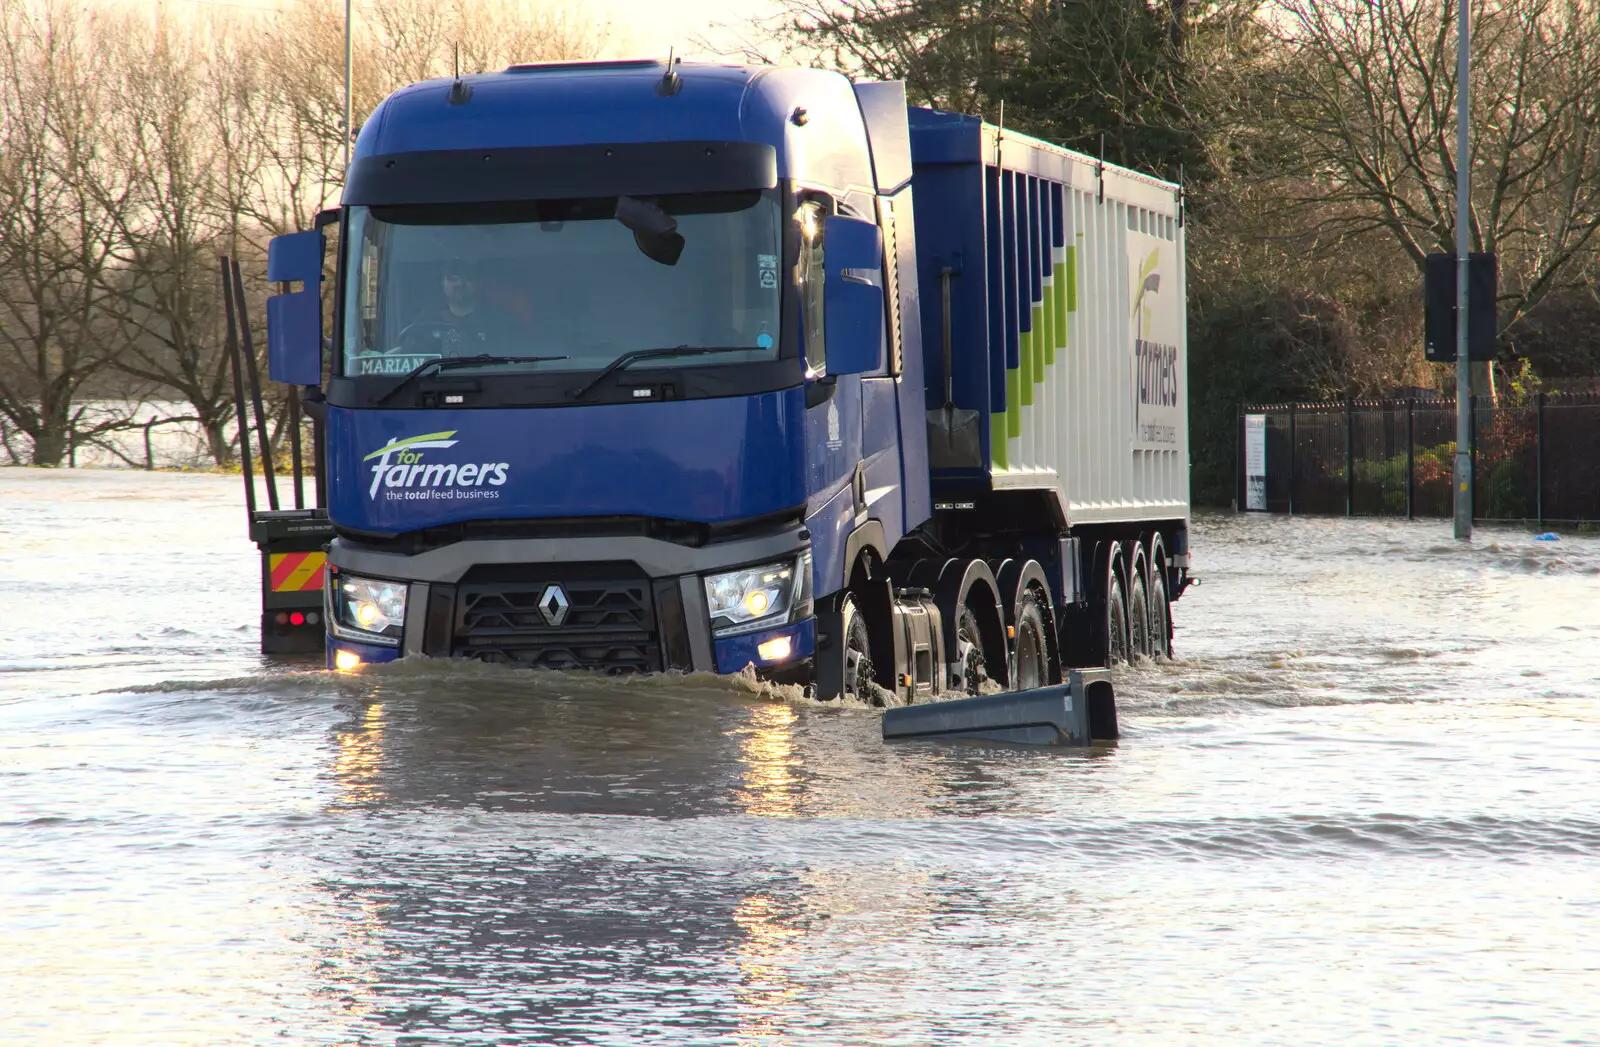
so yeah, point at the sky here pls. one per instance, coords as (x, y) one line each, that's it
(655, 25)
(641, 28)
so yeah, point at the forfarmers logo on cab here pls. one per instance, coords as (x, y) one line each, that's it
(402, 469)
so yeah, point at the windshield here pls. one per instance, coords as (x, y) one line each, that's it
(560, 278)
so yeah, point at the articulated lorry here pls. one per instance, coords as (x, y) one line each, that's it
(638, 366)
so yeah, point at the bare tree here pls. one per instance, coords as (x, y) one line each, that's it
(397, 42)
(136, 149)
(60, 202)
(1367, 103)
(165, 297)
(418, 39)
(235, 134)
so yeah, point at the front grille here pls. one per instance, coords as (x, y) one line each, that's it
(609, 625)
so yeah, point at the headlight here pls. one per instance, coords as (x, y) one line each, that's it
(754, 598)
(366, 609)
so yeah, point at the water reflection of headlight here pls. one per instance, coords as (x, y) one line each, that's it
(359, 759)
(765, 992)
(771, 780)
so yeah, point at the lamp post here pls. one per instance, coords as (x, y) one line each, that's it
(347, 65)
(1463, 470)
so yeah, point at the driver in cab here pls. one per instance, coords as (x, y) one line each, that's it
(462, 324)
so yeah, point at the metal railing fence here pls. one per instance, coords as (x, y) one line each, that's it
(1537, 460)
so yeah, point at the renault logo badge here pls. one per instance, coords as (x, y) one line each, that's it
(553, 605)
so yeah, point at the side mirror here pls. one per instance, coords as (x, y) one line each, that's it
(853, 296)
(654, 231)
(294, 321)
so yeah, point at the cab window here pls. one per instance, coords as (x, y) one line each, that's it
(813, 219)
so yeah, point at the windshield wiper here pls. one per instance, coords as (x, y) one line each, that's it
(450, 363)
(632, 356)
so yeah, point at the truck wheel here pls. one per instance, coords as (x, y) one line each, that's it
(972, 665)
(844, 664)
(1116, 626)
(1160, 614)
(859, 684)
(1032, 666)
(1138, 614)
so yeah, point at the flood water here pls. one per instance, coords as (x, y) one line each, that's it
(1363, 806)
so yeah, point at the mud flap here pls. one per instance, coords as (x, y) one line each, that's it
(829, 657)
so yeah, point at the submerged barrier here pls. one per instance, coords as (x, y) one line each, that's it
(1078, 712)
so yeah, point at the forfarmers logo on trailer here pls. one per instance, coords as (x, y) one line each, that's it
(403, 471)
(1156, 366)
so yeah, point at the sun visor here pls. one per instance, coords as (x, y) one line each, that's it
(561, 172)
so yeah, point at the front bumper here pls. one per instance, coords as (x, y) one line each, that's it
(626, 604)
(768, 649)
(346, 655)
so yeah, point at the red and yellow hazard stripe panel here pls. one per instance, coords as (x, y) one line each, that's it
(297, 572)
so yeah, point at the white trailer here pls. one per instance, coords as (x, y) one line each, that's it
(1054, 307)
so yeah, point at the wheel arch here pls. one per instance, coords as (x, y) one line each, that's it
(862, 578)
(1109, 558)
(1157, 547)
(865, 541)
(1138, 560)
(972, 583)
(1013, 579)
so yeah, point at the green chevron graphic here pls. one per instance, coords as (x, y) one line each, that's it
(1036, 350)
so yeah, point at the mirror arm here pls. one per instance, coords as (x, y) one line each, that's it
(313, 402)
(312, 398)
(820, 390)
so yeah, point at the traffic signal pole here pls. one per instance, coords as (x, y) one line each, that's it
(1463, 487)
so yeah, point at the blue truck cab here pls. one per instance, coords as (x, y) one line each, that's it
(626, 373)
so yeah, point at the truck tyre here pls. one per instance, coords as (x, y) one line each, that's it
(1024, 582)
(1031, 658)
(1138, 609)
(1116, 623)
(845, 666)
(975, 627)
(1160, 612)
(856, 649)
(972, 663)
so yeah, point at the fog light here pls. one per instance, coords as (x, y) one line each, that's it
(345, 661)
(776, 649)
